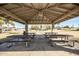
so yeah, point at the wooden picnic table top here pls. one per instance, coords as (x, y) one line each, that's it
(61, 35)
(22, 40)
(13, 40)
(59, 40)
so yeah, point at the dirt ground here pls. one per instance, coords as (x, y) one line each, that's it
(74, 33)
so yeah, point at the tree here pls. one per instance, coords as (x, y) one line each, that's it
(78, 28)
(66, 26)
(11, 22)
(72, 26)
(1, 22)
(78, 25)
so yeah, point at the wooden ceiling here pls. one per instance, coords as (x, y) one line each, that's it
(39, 13)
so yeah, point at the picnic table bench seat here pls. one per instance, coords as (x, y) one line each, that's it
(72, 41)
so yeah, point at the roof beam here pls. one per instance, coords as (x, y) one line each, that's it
(23, 5)
(46, 5)
(3, 4)
(32, 6)
(11, 14)
(75, 10)
(54, 12)
(76, 4)
(33, 16)
(56, 5)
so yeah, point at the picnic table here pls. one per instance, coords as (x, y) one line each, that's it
(30, 35)
(48, 34)
(13, 42)
(65, 36)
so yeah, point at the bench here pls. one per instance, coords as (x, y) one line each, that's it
(52, 42)
(72, 41)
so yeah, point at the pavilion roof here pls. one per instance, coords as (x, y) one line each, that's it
(39, 13)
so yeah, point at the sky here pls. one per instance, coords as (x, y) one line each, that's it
(71, 22)
(19, 25)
